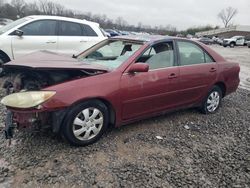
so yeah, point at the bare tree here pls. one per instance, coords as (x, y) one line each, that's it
(59, 10)
(46, 7)
(19, 8)
(121, 23)
(226, 15)
(19, 5)
(1, 3)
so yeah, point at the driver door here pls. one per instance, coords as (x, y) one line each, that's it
(153, 91)
(37, 35)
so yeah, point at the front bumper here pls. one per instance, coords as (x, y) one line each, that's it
(33, 120)
(225, 42)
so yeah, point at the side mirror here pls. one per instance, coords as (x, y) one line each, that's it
(139, 67)
(18, 32)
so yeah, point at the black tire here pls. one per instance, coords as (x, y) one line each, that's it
(204, 106)
(67, 127)
(3, 60)
(232, 44)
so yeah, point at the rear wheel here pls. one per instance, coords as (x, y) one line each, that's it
(213, 100)
(85, 123)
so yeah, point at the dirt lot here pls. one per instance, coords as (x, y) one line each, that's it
(195, 150)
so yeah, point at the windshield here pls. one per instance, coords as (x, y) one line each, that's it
(13, 24)
(236, 37)
(110, 54)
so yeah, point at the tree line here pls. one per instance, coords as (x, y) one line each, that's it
(20, 8)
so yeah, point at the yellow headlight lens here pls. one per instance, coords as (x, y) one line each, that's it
(27, 99)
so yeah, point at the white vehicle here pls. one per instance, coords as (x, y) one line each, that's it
(56, 34)
(234, 41)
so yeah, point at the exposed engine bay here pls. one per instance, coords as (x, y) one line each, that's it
(30, 79)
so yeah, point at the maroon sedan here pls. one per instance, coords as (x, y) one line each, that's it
(117, 81)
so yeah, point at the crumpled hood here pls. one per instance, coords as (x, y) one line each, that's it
(50, 60)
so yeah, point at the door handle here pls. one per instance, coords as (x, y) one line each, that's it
(172, 75)
(212, 69)
(83, 41)
(51, 42)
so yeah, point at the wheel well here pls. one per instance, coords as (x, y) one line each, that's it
(111, 111)
(222, 87)
(233, 42)
(5, 56)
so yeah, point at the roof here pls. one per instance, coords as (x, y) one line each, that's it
(143, 38)
(62, 18)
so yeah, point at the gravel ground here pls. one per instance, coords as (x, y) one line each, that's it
(193, 150)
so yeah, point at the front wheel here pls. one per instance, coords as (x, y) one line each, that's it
(85, 123)
(2, 62)
(212, 102)
(232, 45)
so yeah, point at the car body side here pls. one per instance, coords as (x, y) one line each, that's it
(110, 89)
(6, 39)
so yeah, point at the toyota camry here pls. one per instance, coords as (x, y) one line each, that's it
(118, 81)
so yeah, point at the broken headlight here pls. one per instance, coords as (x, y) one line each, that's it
(27, 99)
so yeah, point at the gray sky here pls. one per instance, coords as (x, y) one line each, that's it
(179, 13)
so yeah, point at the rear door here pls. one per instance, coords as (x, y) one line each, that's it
(153, 91)
(75, 37)
(240, 41)
(197, 71)
(37, 35)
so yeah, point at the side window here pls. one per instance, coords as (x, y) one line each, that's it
(191, 54)
(159, 56)
(208, 58)
(88, 31)
(69, 29)
(150, 52)
(40, 28)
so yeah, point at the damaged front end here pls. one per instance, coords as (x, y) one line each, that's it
(24, 110)
(25, 96)
(33, 120)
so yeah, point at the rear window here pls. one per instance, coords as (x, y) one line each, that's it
(70, 29)
(75, 29)
(88, 31)
(191, 53)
